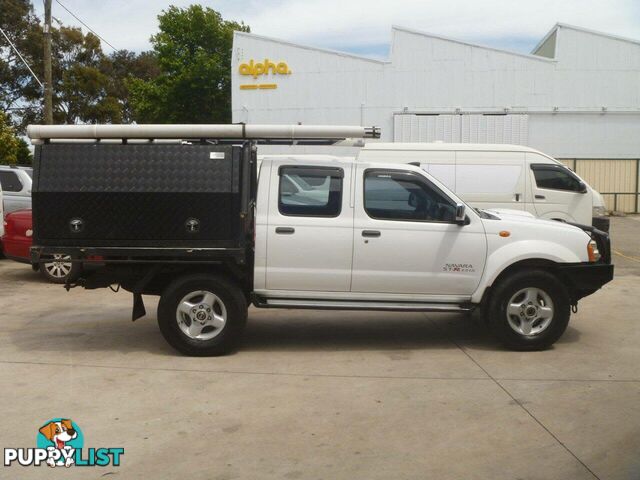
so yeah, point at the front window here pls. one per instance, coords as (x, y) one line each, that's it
(392, 195)
(553, 177)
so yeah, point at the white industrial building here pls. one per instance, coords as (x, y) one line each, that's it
(575, 97)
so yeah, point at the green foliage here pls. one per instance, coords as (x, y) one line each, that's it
(185, 79)
(193, 50)
(88, 86)
(122, 66)
(9, 144)
(19, 92)
(23, 154)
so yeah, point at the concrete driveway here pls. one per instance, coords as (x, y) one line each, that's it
(326, 394)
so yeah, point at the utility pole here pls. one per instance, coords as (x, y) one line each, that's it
(48, 101)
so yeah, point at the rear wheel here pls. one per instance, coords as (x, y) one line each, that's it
(202, 315)
(529, 310)
(60, 269)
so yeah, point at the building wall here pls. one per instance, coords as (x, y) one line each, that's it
(578, 99)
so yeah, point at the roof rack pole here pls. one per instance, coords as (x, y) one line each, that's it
(196, 131)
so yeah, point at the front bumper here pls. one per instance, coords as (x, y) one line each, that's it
(601, 223)
(585, 278)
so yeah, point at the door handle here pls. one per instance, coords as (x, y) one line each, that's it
(285, 230)
(517, 197)
(540, 197)
(370, 233)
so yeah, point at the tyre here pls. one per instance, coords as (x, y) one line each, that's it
(202, 315)
(60, 269)
(529, 310)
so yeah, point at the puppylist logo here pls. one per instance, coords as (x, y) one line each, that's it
(60, 443)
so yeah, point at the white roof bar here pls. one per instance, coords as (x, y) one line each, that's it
(231, 131)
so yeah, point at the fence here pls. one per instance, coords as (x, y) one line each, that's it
(617, 180)
(614, 206)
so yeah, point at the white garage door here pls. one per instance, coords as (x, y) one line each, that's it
(511, 129)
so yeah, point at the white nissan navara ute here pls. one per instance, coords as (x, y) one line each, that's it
(315, 232)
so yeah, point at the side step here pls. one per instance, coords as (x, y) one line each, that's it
(360, 305)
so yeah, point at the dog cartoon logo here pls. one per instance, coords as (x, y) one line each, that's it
(60, 434)
(60, 443)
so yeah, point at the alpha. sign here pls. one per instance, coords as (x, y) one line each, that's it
(255, 69)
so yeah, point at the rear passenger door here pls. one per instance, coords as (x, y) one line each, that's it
(310, 229)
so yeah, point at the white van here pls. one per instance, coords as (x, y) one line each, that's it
(501, 176)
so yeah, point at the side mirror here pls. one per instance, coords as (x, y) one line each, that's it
(460, 216)
(583, 188)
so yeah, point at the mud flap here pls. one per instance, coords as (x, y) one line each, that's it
(138, 307)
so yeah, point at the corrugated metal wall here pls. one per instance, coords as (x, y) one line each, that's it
(608, 176)
(467, 128)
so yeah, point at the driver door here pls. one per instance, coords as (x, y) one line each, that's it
(559, 193)
(406, 240)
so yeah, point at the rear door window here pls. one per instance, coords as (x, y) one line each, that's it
(310, 191)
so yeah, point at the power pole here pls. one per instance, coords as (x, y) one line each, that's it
(48, 101)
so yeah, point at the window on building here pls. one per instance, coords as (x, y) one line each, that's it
(392, 195)
(310, 191)
(556, 178)
(10, 182)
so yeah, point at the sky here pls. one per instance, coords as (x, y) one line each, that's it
(364, 26)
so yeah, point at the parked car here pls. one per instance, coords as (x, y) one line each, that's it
(501, 176)
(16, 244)
(314, 232)
(16, 187)
(1, 216)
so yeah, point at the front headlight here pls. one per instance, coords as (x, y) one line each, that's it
(600, 211)
(593, 252)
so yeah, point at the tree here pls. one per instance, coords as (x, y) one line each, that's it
(193, 50)
(20, 93)
(23, 153)
(88, 86)
(9, 144)
(120, 67)
(80, 86)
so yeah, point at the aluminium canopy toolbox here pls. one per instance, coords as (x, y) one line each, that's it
(141, 195)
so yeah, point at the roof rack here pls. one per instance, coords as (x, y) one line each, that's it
(275, 134)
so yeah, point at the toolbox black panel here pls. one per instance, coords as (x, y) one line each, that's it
(137, 195)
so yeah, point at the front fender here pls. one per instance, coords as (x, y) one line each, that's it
(518, 251)
(557, 215)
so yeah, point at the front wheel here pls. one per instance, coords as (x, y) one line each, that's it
(202, 315)
(529, 310)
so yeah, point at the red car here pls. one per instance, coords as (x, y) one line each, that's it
(16, 242)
